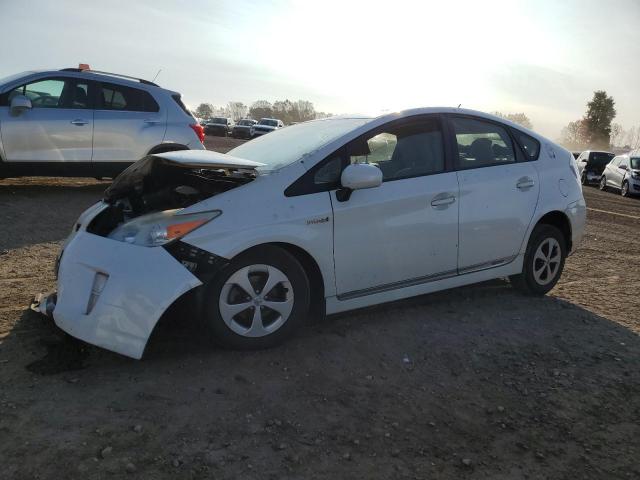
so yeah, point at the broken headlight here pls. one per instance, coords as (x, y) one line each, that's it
(160, 228)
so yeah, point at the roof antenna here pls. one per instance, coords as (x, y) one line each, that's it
(459, 105)
(154, 78)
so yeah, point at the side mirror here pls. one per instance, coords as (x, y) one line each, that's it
(19, 104)
(623, 167)
(357, 177)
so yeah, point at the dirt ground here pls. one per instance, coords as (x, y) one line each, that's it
(476, 382)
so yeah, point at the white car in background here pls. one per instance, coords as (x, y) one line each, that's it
(622, 173)
(266, 125)
(324, 216)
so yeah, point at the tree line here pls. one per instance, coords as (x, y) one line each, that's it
(286, 110)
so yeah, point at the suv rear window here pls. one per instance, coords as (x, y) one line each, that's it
(600, 158)
(119, 97)
(178, 99)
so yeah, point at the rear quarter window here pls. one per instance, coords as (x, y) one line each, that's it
(530, 146)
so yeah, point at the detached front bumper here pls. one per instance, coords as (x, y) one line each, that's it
(577, 214)
(112, 294)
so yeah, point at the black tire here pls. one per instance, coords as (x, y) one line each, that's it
(603, 183)
(526, 281)
(222, 334)
(624, 190)
(583, 178)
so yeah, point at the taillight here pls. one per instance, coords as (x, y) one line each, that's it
(199, 129)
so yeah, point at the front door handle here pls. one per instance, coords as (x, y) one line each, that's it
(79, 121)
(441, 201)
(525, 183)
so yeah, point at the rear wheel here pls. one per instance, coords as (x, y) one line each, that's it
(261, 298)
(543, 261)
(624, 191)
(603, 183)
(583, 178)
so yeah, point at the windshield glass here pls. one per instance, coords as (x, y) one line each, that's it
(286, 145)
(600, 158)
(218, 120)
(635, 163)
(271, 123)
(245, 122)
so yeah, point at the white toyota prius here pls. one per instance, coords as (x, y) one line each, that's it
(321, 217)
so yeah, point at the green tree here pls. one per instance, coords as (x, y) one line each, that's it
(519, 118)
(204, 110)
(600, 113)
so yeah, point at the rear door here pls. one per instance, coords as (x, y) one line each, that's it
(498, 191)
(58, 127)
(128, 123)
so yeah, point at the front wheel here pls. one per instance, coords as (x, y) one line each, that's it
(624, 191)
(259, 300)
(603, 183)
(583, 178)
(543, 261)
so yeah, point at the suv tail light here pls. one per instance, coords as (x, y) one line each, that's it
(196, 127)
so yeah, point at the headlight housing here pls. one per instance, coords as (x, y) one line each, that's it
(160, 228)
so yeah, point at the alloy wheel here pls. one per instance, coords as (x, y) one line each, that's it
(256, 300)
(546, 261)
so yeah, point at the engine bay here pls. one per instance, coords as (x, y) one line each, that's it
(155, 184)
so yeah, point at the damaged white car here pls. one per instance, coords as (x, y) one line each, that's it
(324, 216)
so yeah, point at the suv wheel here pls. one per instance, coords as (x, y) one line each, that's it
(260, 299)
(603, 183)
(583, 178)
(543, 261)
(624, 191)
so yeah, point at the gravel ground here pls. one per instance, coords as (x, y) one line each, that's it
(476, 382)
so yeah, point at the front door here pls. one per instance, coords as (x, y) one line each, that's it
(498, 194)
(405, 231)
(58, 127)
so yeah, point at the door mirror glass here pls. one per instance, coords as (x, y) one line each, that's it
(361, 175)
(19, 104)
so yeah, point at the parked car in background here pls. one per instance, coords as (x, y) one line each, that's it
(591, 164)
(622, 173)
(74, 122)
(242, 128)
(266, 125)
(328, 215)
(220, 126)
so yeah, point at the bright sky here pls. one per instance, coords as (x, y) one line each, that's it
(543, 58)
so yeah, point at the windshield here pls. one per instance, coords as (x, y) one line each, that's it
(600, 158)
(271, 123)
(218, 120)
(245, 122)
(286, 145)
(635, 163)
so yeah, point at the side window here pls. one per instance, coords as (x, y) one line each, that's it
(530, 145)
(616, 161)
(403, 150)
(481, 144)
(54, 93)
(122, 98)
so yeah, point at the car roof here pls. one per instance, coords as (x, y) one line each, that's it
(89, 74)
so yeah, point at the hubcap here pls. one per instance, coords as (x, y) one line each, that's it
(256, 300)
(546, 261)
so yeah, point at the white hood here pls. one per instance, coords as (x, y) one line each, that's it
(207, 159)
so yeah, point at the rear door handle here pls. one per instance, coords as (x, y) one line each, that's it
(152, 122)
(79, 121)
(439, 201)
(525, 183)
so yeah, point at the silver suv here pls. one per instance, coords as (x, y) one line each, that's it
(75, 122)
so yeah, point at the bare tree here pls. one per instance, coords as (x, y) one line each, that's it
(204, 110)
(617, 135)
(260, 109)
(237, 110)
(519, 118)
(575, 135)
